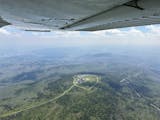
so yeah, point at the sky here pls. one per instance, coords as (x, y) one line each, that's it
(11, 36)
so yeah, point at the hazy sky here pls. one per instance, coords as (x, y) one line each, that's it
(146, 35)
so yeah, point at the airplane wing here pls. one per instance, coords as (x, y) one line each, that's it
(78, 15)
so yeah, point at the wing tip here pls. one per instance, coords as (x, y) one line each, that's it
(3, 22)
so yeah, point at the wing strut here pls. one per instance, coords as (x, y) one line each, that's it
(134, 4)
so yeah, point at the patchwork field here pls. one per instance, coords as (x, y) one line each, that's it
(79, 87)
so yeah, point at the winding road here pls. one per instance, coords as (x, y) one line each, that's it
(51, 100)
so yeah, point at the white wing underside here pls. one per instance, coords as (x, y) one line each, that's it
(79, 15)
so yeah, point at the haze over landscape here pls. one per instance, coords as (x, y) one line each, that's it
(105, 75)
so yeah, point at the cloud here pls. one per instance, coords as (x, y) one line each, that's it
(4, 32)
(147, 35)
